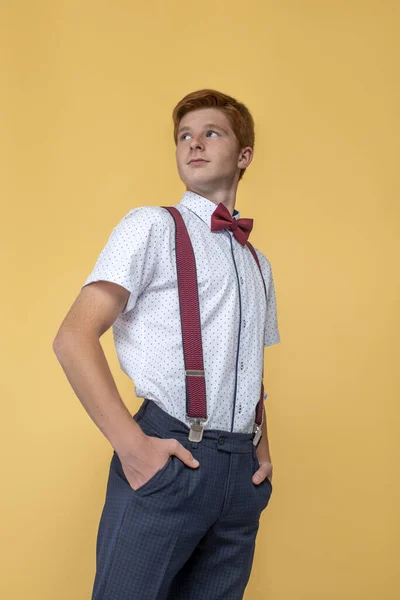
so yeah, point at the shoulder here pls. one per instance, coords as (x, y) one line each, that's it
(146, 215)
(142, 223)
(264, 262)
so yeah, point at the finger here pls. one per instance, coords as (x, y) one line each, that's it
(258, 476)
(185, 455)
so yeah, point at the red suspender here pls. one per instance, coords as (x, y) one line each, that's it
(196, 403)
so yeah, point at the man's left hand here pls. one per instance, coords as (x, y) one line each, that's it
(264, 471)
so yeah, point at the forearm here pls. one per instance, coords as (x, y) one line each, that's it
(85, 365)
(262, 450)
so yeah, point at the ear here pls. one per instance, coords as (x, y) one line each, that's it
(245, 157)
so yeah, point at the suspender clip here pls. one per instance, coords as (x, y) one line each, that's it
(196, 429)
(257, 434)
(257, 430)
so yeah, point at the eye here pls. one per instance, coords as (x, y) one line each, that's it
(182, 137)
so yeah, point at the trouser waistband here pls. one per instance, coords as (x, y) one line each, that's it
(166, 425)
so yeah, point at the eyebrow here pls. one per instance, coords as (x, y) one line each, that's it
(206, 125)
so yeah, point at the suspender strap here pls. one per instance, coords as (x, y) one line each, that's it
(260, 405)
(196, 404)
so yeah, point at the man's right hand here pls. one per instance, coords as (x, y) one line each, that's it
(151, 456)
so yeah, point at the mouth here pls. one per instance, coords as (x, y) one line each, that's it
(197, 161)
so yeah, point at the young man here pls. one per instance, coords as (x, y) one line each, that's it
(172, 528)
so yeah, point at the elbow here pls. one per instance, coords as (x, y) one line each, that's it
(60, 342)
(67, 341)
(57, 345)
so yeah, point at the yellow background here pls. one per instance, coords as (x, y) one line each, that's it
(87, 94)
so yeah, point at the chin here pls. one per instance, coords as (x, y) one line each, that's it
(201, 179)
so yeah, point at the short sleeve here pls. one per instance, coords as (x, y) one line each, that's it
(271, 332)
(130, 254)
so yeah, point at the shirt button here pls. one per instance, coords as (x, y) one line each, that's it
(221, 440)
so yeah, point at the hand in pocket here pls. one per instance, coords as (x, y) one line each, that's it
(143, 462)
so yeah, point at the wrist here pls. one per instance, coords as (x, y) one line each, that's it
(129, 445)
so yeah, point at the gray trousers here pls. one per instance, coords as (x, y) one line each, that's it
(187, 533)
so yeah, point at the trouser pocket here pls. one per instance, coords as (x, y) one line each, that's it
(264, 489)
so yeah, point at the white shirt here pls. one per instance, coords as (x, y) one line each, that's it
(236, 320)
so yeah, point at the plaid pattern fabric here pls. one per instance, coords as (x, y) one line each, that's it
(187, 533)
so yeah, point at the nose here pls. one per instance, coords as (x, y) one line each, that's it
(196, 143)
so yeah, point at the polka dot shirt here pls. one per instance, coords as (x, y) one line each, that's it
(236, 319)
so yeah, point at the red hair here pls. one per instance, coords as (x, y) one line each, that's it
(237, 113)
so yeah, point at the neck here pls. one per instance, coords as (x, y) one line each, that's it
(227, 197)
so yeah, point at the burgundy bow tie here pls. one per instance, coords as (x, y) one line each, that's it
(222, 219)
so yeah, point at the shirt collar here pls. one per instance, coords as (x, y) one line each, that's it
(202, 207)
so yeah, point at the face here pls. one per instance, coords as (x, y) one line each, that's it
(206, 134)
